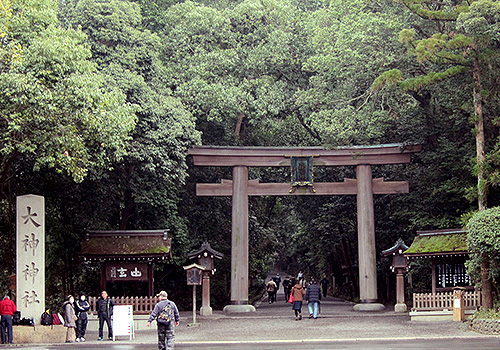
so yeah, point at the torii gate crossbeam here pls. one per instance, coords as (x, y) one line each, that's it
(240, 188)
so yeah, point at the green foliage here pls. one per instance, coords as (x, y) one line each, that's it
(55, 106)
(484, 232)
(493, 314)
(483, 242)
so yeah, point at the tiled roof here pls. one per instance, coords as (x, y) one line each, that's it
(126, 244)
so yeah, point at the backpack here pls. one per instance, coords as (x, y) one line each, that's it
(55, 319)
(47, 319)
(167, 314)
(16, 318)
(25, 321)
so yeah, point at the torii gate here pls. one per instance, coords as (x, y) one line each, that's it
(364, 187)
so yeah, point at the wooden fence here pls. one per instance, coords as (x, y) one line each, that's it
(140, 305)
(444, 301)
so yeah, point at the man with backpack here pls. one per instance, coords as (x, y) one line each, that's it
(104, 312)
(166, 315)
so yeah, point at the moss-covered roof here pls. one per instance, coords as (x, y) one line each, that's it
(428, 243)
(126, 245)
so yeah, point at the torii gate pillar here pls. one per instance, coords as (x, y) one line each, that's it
(366, 241)
(239, 242)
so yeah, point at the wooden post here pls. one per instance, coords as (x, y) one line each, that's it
(151, 282)
(194, 303)
(239, 241)
(458, 305)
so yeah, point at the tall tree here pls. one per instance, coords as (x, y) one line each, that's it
(465, 43)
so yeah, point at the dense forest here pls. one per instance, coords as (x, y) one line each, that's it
(101, 99)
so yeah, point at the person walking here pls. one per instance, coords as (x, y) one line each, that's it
(298, 296)
(166, 315)
(324, 286)
(81, 307)
(7, 309)
(104, 312)
(277, 280)
(287, 287)
(300, 276)
(69, 319)
(313, 297)
(271, 291)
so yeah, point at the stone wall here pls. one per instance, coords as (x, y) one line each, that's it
(484, 326)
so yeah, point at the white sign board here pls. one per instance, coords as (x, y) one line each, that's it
(123, 321)
(30, 259)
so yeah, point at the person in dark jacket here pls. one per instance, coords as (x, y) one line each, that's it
(313, 297)
(104, 312)
(166, 334)
(287, 286)
(81, 308)
(324, 286)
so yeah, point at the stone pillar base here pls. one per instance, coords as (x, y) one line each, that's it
(369, 307)
(401, 307)
(39, 335)
(205, 311)
(234, 309)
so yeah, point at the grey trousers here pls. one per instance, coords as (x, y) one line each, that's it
(166, 336)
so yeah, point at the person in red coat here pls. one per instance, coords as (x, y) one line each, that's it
(7, 309)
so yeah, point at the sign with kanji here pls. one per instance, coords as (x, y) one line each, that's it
(30, 261)
(126, 272)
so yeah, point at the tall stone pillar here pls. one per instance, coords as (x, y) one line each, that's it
(400, 291)
(366, 241)
(239, 243)
(30, 259)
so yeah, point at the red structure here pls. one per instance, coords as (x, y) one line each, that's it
(303, 159)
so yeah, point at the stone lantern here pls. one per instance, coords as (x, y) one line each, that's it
(399, 267)
(205, 257)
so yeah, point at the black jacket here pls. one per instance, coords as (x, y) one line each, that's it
(105, 307)
(313, 293)
(81, 308)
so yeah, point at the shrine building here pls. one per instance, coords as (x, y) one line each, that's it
(126, 258)
(447, 251)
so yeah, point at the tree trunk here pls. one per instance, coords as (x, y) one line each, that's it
(482, 185)
(128, 211)
(486, 290)
(239, 124)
